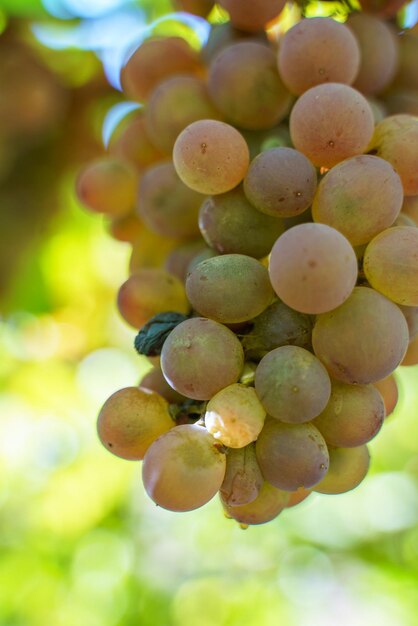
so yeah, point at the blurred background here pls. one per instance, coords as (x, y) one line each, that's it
(80, 543)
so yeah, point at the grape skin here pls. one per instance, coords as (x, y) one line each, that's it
(252, 15)
(388, 389)
(347, 468)
(243, 479)
(266, 506)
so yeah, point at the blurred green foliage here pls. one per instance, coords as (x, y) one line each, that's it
(80, 543)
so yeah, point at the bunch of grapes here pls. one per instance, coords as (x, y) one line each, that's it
(271, 203)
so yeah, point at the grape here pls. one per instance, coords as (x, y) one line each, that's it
(266, 506)
(411, 316)
(280, 182)
(360, 197)
(404, 220)
(391, 264)
(292, 384)
(135, 145)
(298, 496)
(382, 8)
(211, 157)
(304, 54)
(378, 108)
(206, 253)
(150, 250)
(388, 389)
(130, 420)
(411, 356)
(167, 206)
(126, 228)
(222, 35)
(278, 325)
(407, 75)
(395, 140)
(231, 288)
(410, 207)
(291, 455)
(401, 100)
(200, 357)
(184, 468)
(363, 340)
(148, 292)
(179, 259)
(252, 15)
(379, 52)
(330, 123)
(196, 7)
(243, 479)
(153, 61)
(230, 224)
(313, 268)
(174, 104)
(245, 86)
(235, 416)
(353, 416)
(154, 381)
(347, 468)
(108, 185)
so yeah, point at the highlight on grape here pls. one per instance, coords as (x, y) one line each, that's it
(268, 186)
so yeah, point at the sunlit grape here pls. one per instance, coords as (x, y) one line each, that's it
(347, 468)
(154, 381)
(266, 506)
(252, 15)
(388, 389)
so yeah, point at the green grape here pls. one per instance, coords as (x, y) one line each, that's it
(411, 356)
(245, 86)
(313, 268)
(347, 468)
(304, 54)
(407, 75)
(252, 15)
(200, 357)
(174, 104)
(401, 100)
(235, 416)
(266, 506)
(291, 455)
(148, 292)
(153, 61)
(411, 316)
(388, 389)
(281, 182)
(404, 220)
(179, 259)
(363, 340)
(222, 35)
(184, 468)
(278, 325)
(410, 207)
(379, 52)
(391, 264)
(130, 420)
(378, 108)
(298, 496)
(243, 479)
(211, 157)
(108, 185)
(154, 381)
(167, 206)
(292, 384)
(203, 255)
(134, 144)
(231, 288)
(267, 139)
(331, 122)
(395, 140)
(230, 224)
(360, 197)
(353, 415)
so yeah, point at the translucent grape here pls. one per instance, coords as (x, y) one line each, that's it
(388, 389)
(135, 145)
(281, 182)
(363, 340)
(230, 224)
(179, 259)
(269, 503)
(347, 468)
(231, 288)
(154, 381)
(360, 197)
(292, 384)
(148, 292)
(235, 416)
(243, 479)
(391, 264)
(305, 59)
(353, 416)
(126, 228)
(200, 357)
(379, 52)
(298, 496)
(130, 420)
(395, 140)
(313, 268)
(252, 15)
(291, 455)
(278, 325)
(411, 356)
(330, 123)
(150, 250)
(108, 186)
(184, 468)
(222, 35)
(167, 206)
(174, 104)
(211, 157)
(153, 61)
(245, 86)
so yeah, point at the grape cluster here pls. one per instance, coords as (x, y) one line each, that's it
(271, 203)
